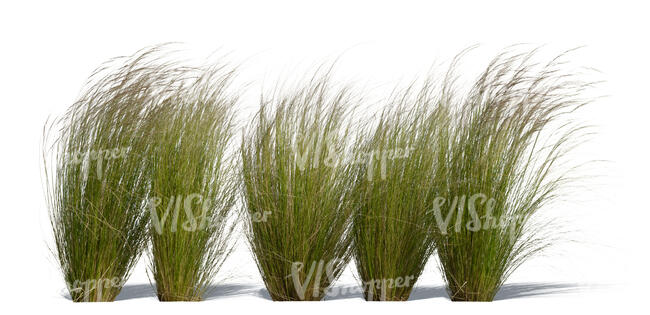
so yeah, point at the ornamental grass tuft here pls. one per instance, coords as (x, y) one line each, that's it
(395, 160)
(297, 195)
(505, 162)
(94, 172)
(193, 186)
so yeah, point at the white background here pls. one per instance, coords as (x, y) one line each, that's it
(49, 49)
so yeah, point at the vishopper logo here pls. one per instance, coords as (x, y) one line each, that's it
(317, 269)
(313, 277)
(98, 156)
(382, 156)
(87, 287)
(457, 206)
(189, 204)
(375, 286)
(260, 216)
(195, 213)
(313, 146)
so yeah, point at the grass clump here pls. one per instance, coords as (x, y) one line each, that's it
(95, 180)
(296, 193)
(395, 162)
(192, 186)
(504, 163)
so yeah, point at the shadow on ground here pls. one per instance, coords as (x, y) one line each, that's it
(215, 291)
(136, 291)
(531, 289)
(341, 292)
(508, 291)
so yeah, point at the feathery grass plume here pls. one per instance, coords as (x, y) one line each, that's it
(193, 184)
(505, 162)
(95, 184)
(296, 191)
(395, 161)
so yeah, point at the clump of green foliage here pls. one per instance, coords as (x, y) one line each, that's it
(505, 161)
(395, 163)
(94, 171)
(192, 182)
(296, 193)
